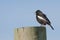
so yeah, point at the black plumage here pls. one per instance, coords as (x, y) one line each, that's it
(42, 18)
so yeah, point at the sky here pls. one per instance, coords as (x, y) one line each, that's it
(21, 13)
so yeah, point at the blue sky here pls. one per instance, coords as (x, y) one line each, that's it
(21, 13)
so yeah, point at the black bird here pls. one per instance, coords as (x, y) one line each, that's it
(42, 18)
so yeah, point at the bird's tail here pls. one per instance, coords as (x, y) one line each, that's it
(51, 27)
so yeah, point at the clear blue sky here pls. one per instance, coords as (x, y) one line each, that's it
(21, 13)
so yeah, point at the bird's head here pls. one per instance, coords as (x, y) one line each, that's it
(38, 12)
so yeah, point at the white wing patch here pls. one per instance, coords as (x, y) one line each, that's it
(41, 18)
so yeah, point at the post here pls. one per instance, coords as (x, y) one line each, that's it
(30, 33)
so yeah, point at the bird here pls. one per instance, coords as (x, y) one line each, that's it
(42, 18)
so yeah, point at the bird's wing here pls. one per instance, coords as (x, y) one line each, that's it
(46, 18)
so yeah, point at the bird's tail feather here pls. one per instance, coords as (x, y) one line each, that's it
(51, 27)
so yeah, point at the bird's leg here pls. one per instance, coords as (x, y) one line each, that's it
(43, 25)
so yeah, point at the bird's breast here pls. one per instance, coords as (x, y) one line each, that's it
(41, 20)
